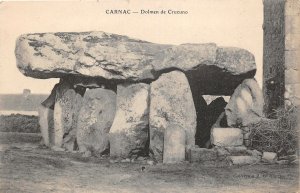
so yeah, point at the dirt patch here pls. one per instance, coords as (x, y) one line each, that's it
(16, 137)
(27, 167)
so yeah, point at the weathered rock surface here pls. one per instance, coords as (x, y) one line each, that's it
(95, 119)
(269, 157)
(239, 150)
(174, 144)
(115, 57)
(62, 116)
(226, 137)
(224, 152)
(243, 160)
(171, 103)
(221, 152)
(46, 124)
(245, 105)
(130, 130)
(46, 118)
(67, 105)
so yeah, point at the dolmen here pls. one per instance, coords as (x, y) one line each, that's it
(123, 96)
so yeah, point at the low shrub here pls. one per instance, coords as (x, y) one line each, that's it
(278, 135)
(19, 123)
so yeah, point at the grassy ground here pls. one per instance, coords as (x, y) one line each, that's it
(27, 167)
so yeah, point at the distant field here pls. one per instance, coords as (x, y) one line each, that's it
(18, 102)
(19, 123)
(10, 112)
(18, 113)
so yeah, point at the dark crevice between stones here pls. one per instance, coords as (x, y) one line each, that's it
(213, 111)
(211, 80)
(200, 106)
(75, 147)
(81, 83)
(157, 74)
(50, 101)
(207, 116)
(105, 152)
(142, 151)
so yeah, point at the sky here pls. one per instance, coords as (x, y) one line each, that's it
(236, 23)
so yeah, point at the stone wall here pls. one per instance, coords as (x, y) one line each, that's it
(292, 52)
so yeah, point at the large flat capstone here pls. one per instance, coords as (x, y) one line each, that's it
(119, 58)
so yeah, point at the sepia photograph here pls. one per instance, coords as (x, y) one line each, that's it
(154, 96)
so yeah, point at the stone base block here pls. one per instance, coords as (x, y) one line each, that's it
(174, 145)
(239, 150)
(196, 154)
(243, 160)
(226, 137)
(46, 125)
(269, 157)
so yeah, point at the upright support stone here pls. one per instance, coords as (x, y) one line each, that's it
(174, 144)
(46, 124)
(95, 119)
(46, 119)
(62, 117)
(129, 132)
(67, 105)
(171, 102)
(245, 105)
(58, 115)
